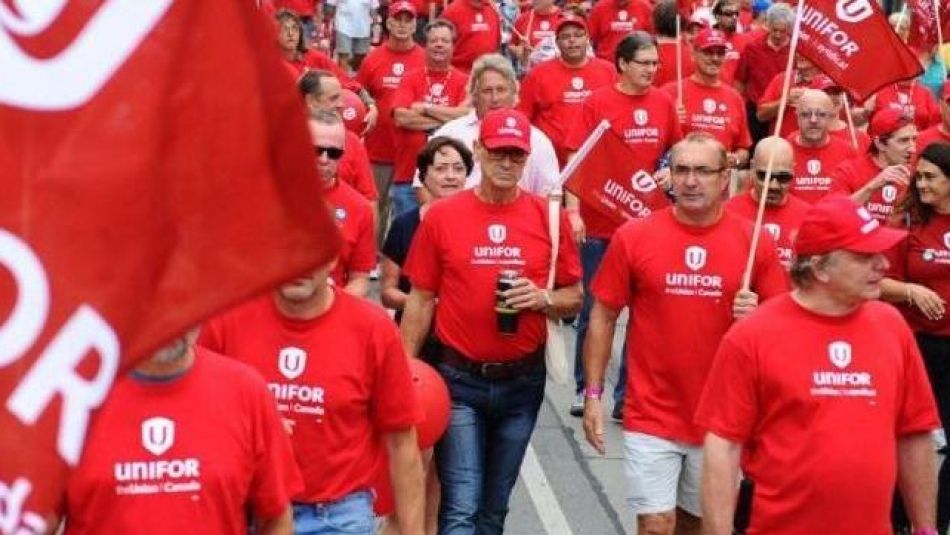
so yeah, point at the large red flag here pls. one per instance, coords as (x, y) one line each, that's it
(923, 22)
(604, 178)
(156, 168)
(851, 41)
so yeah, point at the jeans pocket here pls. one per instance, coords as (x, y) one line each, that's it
(354, 514)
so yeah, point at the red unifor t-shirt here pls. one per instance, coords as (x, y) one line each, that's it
(479, 32)
(819, 418)
(934, 134)
(666, 70)
(916, 101)
(718, 110)
(458, 251)
(354, 167)
(647, 123)
(851, 175)
(552, 94)
(609, 23)
(422, 85)
(813, 166)
(679, 282)
(354, 217)
(541, 26)
(773, 93)
(735, 44)
(781, 222)
(315, 60)
(342, 378)
(924, 258)
(189, 455)
(381, 73)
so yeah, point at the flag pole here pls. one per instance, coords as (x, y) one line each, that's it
(783, 102)
(847, 114)
(940, 38)
(679, 63)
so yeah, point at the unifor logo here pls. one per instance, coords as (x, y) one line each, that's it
(510, 122)
(436, 89)
(292, 362)
(774, 230)
(545, 25)
(640, 117)
(889, 193)
(622, 14)
(814, 167)
(709, 105)
(577, 82)
(158, 434)
(946, 240)
(349, 113)
(839, 353)
(83, 64)
(853, 10)
(695, 257)
(642, 181)
(479, 18)
(497, 233)
(399, 68)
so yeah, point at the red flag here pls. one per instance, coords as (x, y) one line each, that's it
(851, 41)
(156, 168)
(606, 179)
(923, 22)
(685, 10)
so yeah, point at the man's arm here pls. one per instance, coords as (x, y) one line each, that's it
(357, 283)
(597, 346)
(719, 484)
(414, 118)
(444, 114)
(281, 525)
(405, 472)
(416, 320)
(389, 293)
(917, 478)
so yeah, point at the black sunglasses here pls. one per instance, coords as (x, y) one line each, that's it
(782, 177)
(334, 153)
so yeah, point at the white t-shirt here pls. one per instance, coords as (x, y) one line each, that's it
(541, 172)
(354, 18)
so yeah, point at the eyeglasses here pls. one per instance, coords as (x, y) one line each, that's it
(515, 155)
(646, 63)
(728, 13)
(683, 171)
(334, 153)
(782, 177)
(808, 114)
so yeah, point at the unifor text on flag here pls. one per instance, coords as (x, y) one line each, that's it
(156, 169)
(852, 42)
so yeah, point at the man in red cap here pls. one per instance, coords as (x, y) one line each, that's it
(553, 92)
(879, 179)
(817, 151)
(381, 73)
(612, 20)
(478, 30)
(825, 426)
(485, 254)
(939, 132)
(709, 104)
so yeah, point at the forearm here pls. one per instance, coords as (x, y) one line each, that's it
(393, 298)
(414, 120)
(571, 201)
(566, 301)
(405, 472)
(444, 114)
(357, 284)
(282, 525)
(598, 344)
(893, 291)
(718, 487)
(917, 478)
(767, 111)
(416, 320)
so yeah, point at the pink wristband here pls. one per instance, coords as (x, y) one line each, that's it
(593, 392)
(926, 531)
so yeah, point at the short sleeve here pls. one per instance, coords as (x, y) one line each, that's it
(728, 406)
(393, 405)
(363, 259)
(612, 282)
(918, 411)
(568, 261)
(773, 91)
(424, 263)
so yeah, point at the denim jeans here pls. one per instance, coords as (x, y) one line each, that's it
(592, 253)
(352, 513)
(480, 454)
(403, 199)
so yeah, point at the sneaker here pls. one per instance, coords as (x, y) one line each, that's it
(617, 413)
(577, 408)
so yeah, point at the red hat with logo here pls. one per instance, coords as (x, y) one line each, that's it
(710, 38)
(886, 121)
(837, 222)
(402, 6)
(570, 19)
(505, 128)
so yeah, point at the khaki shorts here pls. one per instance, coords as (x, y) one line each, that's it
(351, 45)
(661, 474)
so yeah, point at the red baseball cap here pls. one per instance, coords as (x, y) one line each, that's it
(823, 82)
(886, 121)
(710, 38)
(836, 222)
(402, 6)
(570, 19)
(504, 128)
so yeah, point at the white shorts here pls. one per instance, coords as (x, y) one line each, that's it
(661, 474)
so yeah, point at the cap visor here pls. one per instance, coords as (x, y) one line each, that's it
(882, 240)
(502, 142)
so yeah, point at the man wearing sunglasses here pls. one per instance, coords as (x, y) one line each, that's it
(353, 214)
(783, 212)
(939, 132)
(817, 151)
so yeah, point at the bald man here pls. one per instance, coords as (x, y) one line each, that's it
(816, 151)
(783, 212)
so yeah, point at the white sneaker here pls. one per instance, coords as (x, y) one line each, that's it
(577, 408)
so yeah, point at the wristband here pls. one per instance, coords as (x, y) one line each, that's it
(926, 531)
(593, 392)
(572, 210)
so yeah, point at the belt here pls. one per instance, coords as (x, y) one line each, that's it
(492, 370)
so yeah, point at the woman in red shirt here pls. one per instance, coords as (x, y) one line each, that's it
(920, 284)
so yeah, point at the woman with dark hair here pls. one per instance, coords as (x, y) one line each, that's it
(293, 47)
(919, 285)
(443, 165)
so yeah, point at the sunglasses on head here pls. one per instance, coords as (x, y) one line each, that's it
(334, 153)
(782, 177)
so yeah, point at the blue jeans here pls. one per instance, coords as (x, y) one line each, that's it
(352, 513)
(403, 199)
(592, 253)
(481, 452)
